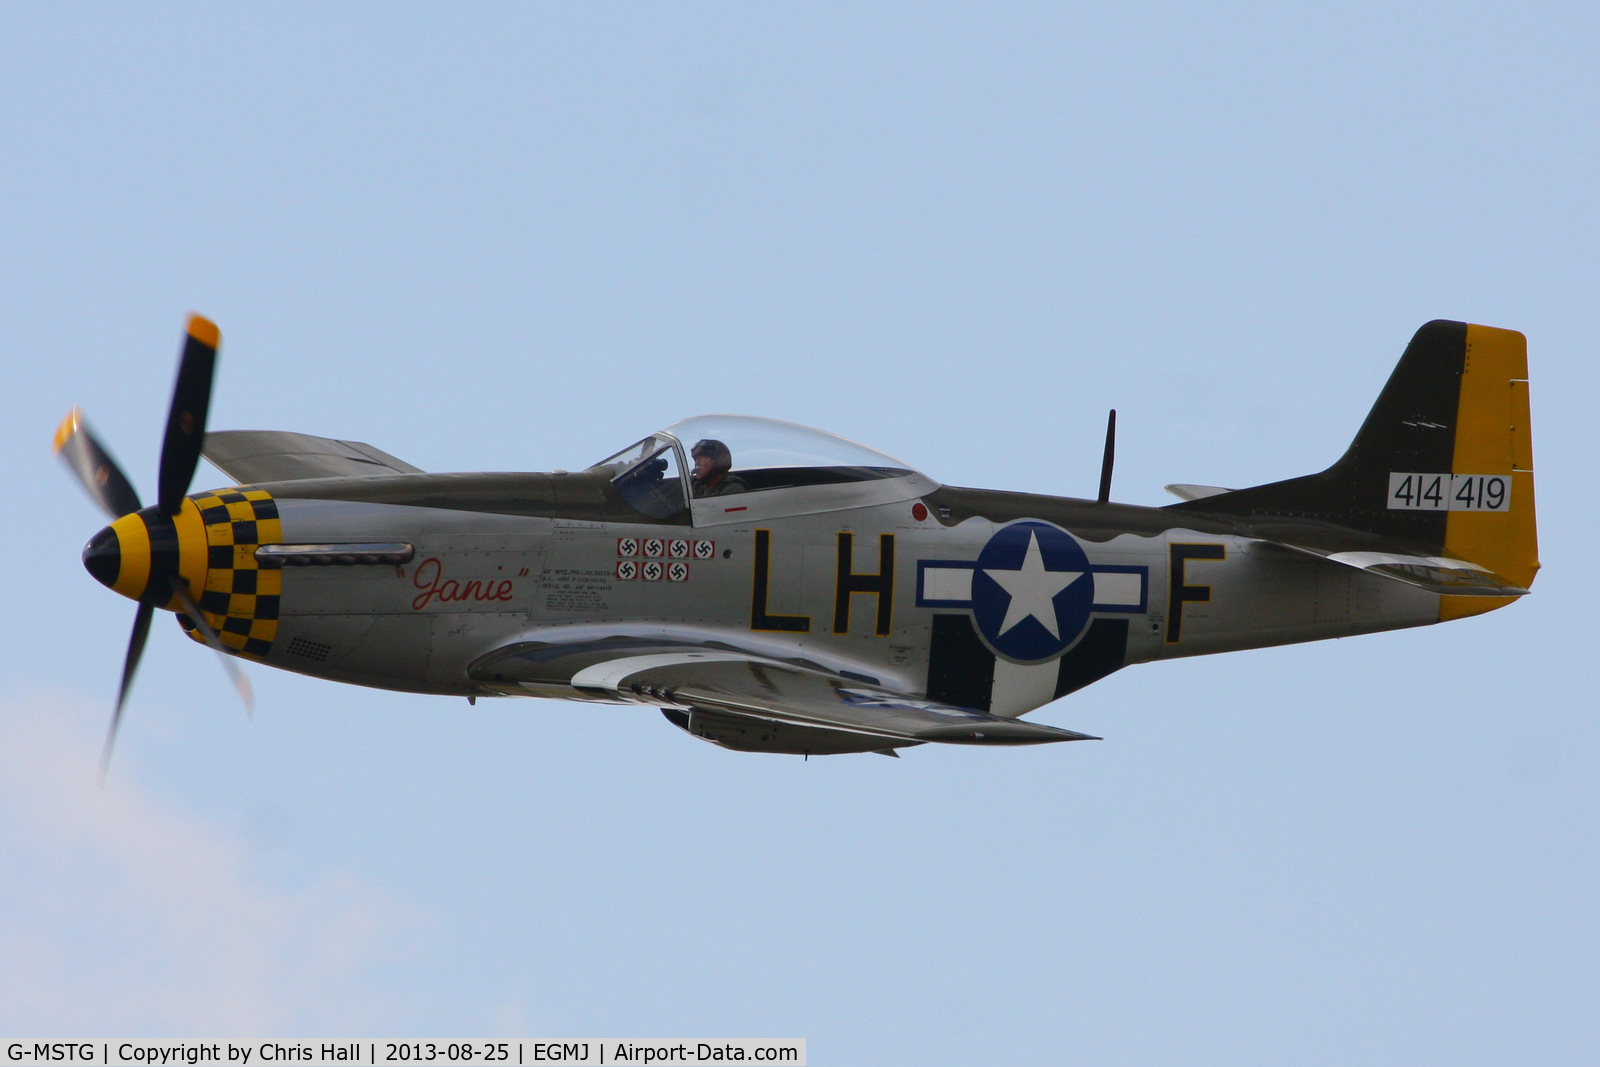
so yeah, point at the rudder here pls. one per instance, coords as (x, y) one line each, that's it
(1493, 437)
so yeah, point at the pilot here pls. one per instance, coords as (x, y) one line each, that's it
(713, 474)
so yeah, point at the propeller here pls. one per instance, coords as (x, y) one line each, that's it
(141, 633)
(110, 488)
(92, 463)
(186, 421)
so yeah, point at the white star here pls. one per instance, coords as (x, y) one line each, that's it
(1033, 589)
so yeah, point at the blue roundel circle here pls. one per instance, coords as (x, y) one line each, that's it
(1031, 591)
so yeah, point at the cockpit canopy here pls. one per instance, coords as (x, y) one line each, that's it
(755, 468)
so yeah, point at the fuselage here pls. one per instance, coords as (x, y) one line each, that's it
(991, 600)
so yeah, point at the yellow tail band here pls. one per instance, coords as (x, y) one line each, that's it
(1494, 436)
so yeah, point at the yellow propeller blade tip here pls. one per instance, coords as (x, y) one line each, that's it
(205, 331)
(64, 432)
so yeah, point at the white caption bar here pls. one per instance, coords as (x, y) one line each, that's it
(1409, 491)
(589, 1052)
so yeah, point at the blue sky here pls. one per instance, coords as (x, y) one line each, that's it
(512, 237)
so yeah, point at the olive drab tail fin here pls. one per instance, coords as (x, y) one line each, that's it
(1436, 488)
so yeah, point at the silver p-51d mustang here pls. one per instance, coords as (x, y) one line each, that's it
(775, 588)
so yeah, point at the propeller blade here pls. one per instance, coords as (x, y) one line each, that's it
(186, 422)
(141, 631)
(235, 675)
(92, 463)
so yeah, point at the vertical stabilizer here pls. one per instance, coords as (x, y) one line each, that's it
(1442, 466)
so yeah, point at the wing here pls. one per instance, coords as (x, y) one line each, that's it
(750, 701)
(249, 456)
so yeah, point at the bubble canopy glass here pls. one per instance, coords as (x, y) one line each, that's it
(769, 454)
(817, 471)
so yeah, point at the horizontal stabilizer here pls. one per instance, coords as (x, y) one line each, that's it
(1437, 574)
(1187, 491)
(255, 456)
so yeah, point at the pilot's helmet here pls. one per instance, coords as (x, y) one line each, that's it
(721, 458)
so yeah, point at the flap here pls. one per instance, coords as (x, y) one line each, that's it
(742, 684)
(249, 456)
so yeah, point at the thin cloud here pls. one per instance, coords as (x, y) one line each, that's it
(124, 916)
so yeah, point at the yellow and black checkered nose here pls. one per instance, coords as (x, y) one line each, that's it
(239, 597)
(210, 544)
(143, 554)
